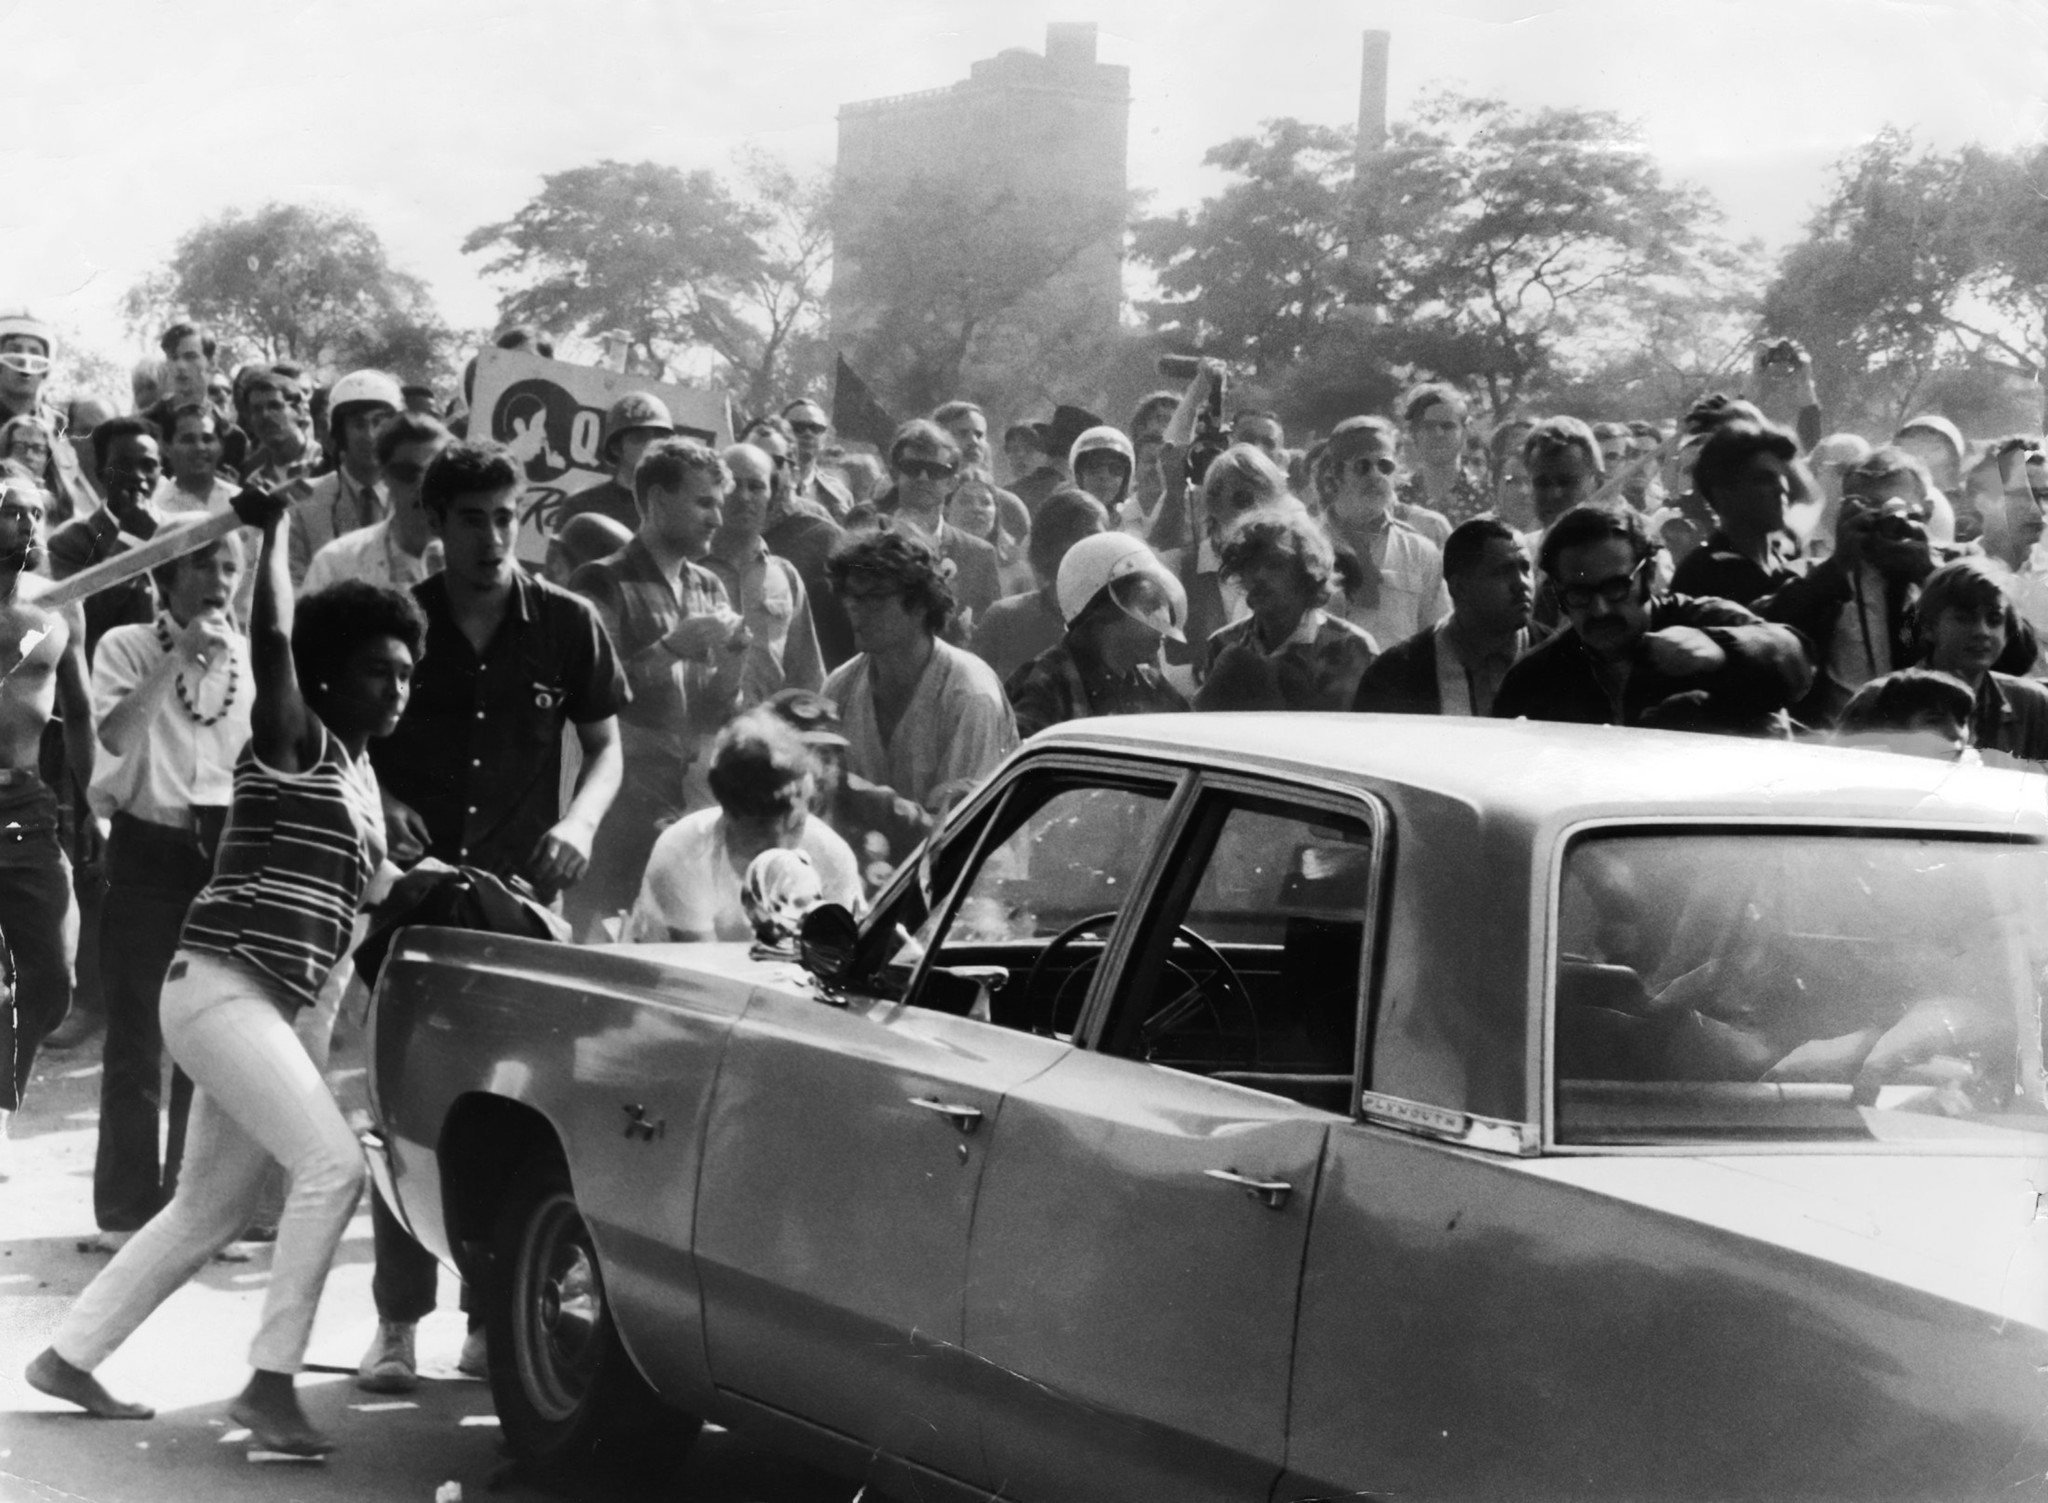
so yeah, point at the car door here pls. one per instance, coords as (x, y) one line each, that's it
(1144, 1212)
(847, 1142)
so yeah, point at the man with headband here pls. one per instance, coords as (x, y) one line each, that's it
(27, 346)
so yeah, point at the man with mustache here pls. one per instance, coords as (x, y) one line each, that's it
(1630, 656)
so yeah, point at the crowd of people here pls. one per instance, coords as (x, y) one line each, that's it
(219, 771)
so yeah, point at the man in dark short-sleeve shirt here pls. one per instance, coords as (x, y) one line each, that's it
(473, 774)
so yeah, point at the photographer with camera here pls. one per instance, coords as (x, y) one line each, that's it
(1852, 607)
(1784, 391)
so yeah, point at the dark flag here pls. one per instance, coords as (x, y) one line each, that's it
(856, 415)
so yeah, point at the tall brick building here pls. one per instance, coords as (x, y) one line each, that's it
(1044, 135)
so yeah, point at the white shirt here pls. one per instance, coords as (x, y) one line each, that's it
(373, 556)
(691, 888)
(179, 763)
(1412, 593)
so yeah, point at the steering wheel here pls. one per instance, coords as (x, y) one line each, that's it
(1166, 1022)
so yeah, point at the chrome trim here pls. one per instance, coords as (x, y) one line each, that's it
(1467, 1129)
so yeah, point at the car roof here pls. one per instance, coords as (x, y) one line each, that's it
(1542, 773)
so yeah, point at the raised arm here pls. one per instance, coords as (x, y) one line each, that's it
(282, 731)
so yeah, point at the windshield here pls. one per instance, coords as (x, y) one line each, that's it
(1801, 986)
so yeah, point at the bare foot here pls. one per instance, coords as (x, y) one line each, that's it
(51, 1374)
(269, 1407)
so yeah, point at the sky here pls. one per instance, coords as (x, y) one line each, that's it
(130, 122)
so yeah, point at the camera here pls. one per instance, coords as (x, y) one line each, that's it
(1212, 435)
(1782, 352)
(1896, 528)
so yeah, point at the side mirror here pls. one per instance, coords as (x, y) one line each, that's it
(825, 943)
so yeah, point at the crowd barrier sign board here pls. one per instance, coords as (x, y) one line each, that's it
(550, 414)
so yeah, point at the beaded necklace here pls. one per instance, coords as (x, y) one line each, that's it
(187, 697)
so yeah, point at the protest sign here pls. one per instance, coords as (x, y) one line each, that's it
(550, 414)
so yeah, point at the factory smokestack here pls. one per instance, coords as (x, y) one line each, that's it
(1372, 96)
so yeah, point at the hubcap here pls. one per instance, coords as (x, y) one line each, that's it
(561, 1311)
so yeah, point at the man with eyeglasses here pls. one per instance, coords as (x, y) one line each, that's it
(27, 345)
(1401, 588)
(808, 425)
(924, 461)
(398, 550)
(1630, 656)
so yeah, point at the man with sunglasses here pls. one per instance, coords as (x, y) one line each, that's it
(808, 425)
(1402, 585)
(400, 549)
(924, 461)
(1629, 656)
(26, 347)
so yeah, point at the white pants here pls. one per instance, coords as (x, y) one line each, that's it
(259, 1099)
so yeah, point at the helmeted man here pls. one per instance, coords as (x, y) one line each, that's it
(636, 420)
(27, 345)
(348, 497)
(1120, 603)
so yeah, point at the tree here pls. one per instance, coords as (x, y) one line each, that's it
(1485, 245)
(301, 283)
(677, 260)
(948, 286)
(1258, 272)
(1919, 262)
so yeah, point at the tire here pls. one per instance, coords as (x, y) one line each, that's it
(566, 1392)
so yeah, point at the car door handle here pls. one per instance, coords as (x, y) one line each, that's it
(1271, 1193)
(964, 1117)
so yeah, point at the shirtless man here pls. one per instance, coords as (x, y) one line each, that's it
(42, 669)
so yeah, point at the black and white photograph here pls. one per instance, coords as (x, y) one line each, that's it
(934, 751)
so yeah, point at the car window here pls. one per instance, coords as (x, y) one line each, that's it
(1037, 905)
(1252, 970)
(1799, 985)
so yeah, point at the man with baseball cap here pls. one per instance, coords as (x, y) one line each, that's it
(347, 497)
(636, 420)
(27, 345)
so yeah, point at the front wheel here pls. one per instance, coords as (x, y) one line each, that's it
(565, 1390)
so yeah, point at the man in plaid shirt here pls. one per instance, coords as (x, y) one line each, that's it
(682, 649)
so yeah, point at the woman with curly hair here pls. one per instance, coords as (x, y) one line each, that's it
(302, 848)
(1289, 653)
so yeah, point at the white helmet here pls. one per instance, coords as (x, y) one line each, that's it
(366, 386)
(20, 321)
(1124, 566)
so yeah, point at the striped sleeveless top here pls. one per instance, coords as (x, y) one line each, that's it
(298, 850)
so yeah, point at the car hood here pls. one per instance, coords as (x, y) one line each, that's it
(1972, 1230)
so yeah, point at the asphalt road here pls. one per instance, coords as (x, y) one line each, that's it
(189, 1359)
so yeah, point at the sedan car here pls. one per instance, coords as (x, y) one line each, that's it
(1270, 1107)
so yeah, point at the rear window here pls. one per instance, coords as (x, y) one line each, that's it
(1800, 986)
